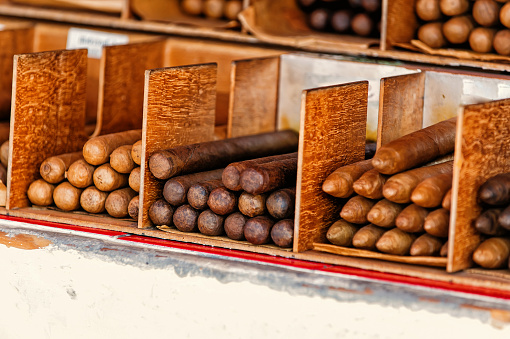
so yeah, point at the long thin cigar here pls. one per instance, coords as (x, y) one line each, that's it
(133, 207)
(97, 150)
(444, 250)
(356, 210)
(176, 189)
(54, 168)
(234, 226)
(40, 193)
(367, 237)
(341, 233)
(93, 200)
(412, 218)
(426, 245)
(384, 213)
(252, 205)
(487, 222)
(161, 213)
(107, 179)
(437, 223)
(282, 233)
(222, 201)
(121, 159)
(493, 252)
(134, 179)
(232, 173)
(81, 174)
(136, 152)
(257, 230)
(281, 203)
(216, 154)
(447, 200)
(395, 242)
(209, 223)
(186, 218)
(269, 176)
(431, 191)
(198, 194)
(118, 201)
(370, 184)
(340, 183)
(504, 218)
(496, 190)
(67, 197)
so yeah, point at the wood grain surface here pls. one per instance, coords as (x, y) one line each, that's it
(48, 115)
(254, 96)
(482, 150)
(402, 22)
(179, 109)
(332, 134)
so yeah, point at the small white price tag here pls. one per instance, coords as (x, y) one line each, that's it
(93, 40)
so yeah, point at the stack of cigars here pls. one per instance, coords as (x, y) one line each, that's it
(212, 9)
(494, 223)
(104, 177)
(243, 187)
(399, 200)
(483, 25)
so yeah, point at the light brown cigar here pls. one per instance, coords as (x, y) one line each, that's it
(367, 237)
(428, 10)
(176, 189)
(454, 7)
(501, 42)
(362, 24)
(504, 15)
(481, 38)
(40, 193)
(97, 150)
(431, 34)
(504, 218)
(356, 210)
(412, 218)
(341, 233)
(257, 230)
(281, 203)
(263, 178)
(496, 190)
(4, 153)
(416, 148)
(92, 200)
(457, 29)
(232, 173)
(395, 242)
(186, 218)
(3, 173)
(339, 183)
(222, 201)
(214, 8)
(53, 169)
(370, 184)
(384, 213)
(81, 174)
(232, 9)
(282, 233)
(431, 191)
(252, 205)
(444, 250)
(447, 200)
(136, 152)
(487, 222)
(107, 179)
(161, 213)
(133, 207)
(215, 154)
(493, 253)
(198, 194)
(437, 222)
(118, 201)
(121, 159)
(399, 187)
(209, 223)
(426, 245)
(67, 197)
(234, 226)
(134, 179)
(192, 7)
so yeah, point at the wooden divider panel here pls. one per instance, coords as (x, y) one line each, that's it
(401, 22)
(254, 96)
(122, 71)
(482, 150)
(48, 115)
(179, 109)
(400, 106)
(332, 134)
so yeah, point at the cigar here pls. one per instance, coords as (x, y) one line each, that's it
(118, 201)
(384, 213)
(341, 233)
(367, 237)
(121, 159)
(492, 253)
(176, 189)
(487, 222)
(454, 7)
(395, 241)
(216, 154)
(341, 20)
(93, 200)
(281, 203)
(371, 5)
(4, 153)
(319, 19)
(501, 42)
(186, 218)
(426, 245)
(161, 213)
(340, 183)
(431, 191)
(232, 173)
(213, 9)
(370, 149)
(81, 174)
(192, 7)
(480, 39)
(356, 210)
(362, 24)
(370, 185)
(133, 207)
(504, 218)
(457, 29)
(136, 152)
(447, 200)
(40, 193)
(428, 10)
(232, 9)
(504, 15)
(209, 223)
(257, 230)
(107, 179)
(496, 190)
(134, 179)
(198, 194)
(444, 250)
(54, 168)
(234, 226)
(97, 150)
(252, 205)
(67, 197)
(282, 233)
(431, 34)
(412, 218)
(437, 223)
(486, 12)
(263, 178)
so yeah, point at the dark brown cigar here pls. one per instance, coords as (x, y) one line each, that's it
(367, 237)
(186, 218)
(252, 205)
(198, 194)
(437, 222)
(209, 223)
(270, 176)
(234, 226)
(281, 203)
(133, 207)
(222, 201)
(176, 189)
(161, 213)
(487, 222)
(496, 190)
(257, 230)
(504, 218)
(282, 233)
(356, 210)
(412, 218)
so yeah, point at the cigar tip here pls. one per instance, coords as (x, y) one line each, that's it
(160, 166)
(484, 258)
(230, 177)
(374, 214)
(333, 187)
(359, 240)
(486, 195)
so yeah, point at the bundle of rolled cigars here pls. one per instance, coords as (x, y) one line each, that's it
(481, 25)
(494, 223)
(399, 201)
(212, 9)
(104, 177)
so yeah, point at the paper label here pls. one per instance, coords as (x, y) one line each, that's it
(93, 41)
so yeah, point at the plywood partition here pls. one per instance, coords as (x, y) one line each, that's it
(482, 150)
(401, 22)
(179, 108)
(121, 79)
(332, 134)
(253, 96)
(48, 115)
